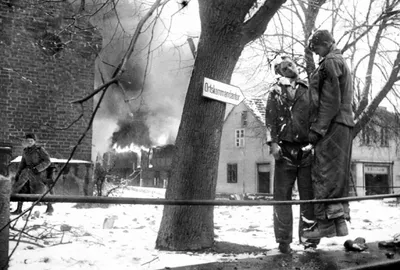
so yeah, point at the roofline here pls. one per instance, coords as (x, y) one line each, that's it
(252, 111)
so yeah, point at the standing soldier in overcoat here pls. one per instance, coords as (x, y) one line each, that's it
(331, 135)
(32, 172)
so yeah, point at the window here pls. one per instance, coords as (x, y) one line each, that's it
(156, 178)
(384, 137)
(366, 137)
(369, 135)
(239, 137)
(372, 135)
(232, 173)
(244, 118)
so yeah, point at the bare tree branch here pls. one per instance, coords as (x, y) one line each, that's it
(386, 15)
(368, 75)
(257, 24)
(367, 113)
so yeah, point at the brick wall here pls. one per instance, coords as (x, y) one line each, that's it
(46, 61)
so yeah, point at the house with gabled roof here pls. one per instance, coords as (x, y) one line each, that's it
(245, 165)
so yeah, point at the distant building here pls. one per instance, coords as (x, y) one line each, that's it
(149, 168)
(376, 156)
(156, 166)
(245, 165)
(120, 165)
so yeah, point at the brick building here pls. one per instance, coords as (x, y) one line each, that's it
(47, 60)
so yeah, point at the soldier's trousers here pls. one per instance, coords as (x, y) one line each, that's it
(286, 173)
(331, 171)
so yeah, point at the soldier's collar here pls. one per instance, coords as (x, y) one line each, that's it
(302, 82)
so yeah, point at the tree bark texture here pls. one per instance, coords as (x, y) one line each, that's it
(310, 13)
(195, 163)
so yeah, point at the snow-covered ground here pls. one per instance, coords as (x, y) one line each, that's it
(79, 238)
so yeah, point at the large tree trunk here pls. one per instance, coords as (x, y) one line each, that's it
(195, 163)
(197, 145)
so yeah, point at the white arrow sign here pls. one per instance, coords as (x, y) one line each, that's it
(222, 91)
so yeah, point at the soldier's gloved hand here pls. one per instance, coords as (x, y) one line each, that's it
(35, 171)
(276, 151)
(313, 137)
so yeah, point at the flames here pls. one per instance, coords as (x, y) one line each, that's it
(162, 140)
(144, 154)
(135, 149)
(131, 148)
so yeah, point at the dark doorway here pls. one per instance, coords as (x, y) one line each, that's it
(376, 184)
(264, 176)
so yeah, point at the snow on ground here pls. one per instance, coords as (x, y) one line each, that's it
(74, 238)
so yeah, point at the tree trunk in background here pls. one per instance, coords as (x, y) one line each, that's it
(195, 163)
(310, 14)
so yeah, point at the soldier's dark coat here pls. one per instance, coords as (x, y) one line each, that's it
(32, 169)
(288, 119)
(332, 94)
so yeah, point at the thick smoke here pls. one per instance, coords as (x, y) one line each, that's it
(131, 130)
(146, 113)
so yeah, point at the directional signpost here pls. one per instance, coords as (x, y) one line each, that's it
(222, 92)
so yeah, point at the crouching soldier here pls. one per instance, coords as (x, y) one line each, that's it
(32, 172)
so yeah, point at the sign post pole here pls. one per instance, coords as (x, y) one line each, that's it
(5, 190)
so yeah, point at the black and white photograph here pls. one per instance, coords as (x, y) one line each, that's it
(199, 134)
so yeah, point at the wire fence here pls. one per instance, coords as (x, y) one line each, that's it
(158, 201)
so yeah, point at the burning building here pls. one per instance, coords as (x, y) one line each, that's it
(120, 165)
(156, 166)
(145, 167)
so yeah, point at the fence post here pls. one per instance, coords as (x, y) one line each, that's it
(5, 190)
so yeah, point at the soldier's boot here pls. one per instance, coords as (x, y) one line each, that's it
(341, 226)
(284, 248)
(324, 228)
(49, 209)
(17, 211)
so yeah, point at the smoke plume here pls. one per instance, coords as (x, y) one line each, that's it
(146, 113)
(131, 130)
